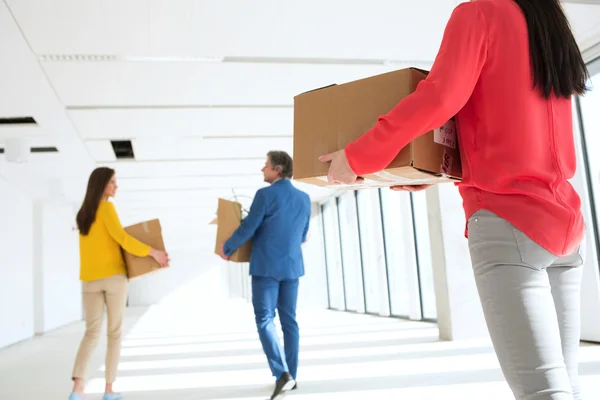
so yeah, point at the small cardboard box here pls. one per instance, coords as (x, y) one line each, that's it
(229, 218)
(327, 119)
(150, 233)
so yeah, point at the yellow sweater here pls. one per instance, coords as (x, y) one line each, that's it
(100, 250)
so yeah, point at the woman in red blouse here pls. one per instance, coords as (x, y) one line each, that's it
(507, 69)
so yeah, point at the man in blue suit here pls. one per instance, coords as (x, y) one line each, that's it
(277, 224)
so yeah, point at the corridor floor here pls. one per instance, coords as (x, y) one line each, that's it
(176, 353)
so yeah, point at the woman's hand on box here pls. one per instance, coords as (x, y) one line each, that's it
(161, 257)
(410, 188)
(339, 169)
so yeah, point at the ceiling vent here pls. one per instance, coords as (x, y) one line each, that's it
(44, 150)
(123, 149)
(17, 121)
(77, 57)
(38, 150)
(18, 151)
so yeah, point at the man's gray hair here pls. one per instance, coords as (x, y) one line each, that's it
(281, 161)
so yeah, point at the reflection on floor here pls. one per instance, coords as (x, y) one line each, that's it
(186, 353)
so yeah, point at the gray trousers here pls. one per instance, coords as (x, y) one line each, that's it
(531, 303)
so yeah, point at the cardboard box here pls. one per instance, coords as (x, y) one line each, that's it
(327, 119)
(229, 218)
(150, 233)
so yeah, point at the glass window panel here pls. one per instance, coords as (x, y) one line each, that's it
(373, 254)
(335, 273)
(351, 256)
(401, 255)
(421, 221)
(590, 117)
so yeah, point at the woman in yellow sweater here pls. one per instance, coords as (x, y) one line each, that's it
(104, 276)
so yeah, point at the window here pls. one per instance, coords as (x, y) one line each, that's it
(421, 222)
(401, 254)
(335, 272)
(589, 106)
(373, 253)
(351, 256)
(378, 254)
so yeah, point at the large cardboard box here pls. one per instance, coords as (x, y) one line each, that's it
(229, 218)
(150, 233)
(327, 119)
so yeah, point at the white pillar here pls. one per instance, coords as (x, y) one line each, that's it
(57, 289)
(38, 267)
(459, 311)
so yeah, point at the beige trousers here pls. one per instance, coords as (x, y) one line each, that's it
(111, 292)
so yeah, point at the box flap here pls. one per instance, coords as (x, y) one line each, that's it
(317, 89)
(148, 232)
(423, 71)
(408, 176)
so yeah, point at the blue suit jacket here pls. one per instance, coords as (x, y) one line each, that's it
(277, 224)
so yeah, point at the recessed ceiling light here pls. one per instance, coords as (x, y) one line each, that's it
(125, 58)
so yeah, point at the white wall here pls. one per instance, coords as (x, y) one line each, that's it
(195, 276)
(39, 265)
(56, 265)
(16, 265)
(238, 280)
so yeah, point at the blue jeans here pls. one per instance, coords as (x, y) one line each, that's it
(269, 294)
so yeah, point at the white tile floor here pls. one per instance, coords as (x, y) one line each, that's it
(183, 354)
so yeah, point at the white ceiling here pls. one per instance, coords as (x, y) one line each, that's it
(234, 28)
(203, 88)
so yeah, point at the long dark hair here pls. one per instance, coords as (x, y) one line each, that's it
(97, 183)
(558, 67)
